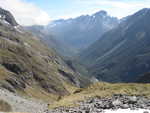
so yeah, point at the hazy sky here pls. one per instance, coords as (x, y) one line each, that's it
(29, 12)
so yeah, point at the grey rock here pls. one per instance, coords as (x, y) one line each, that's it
(117, 102)
(145, 112)
(125, 106)
(98, 105)
(133, 99)
(7, 16)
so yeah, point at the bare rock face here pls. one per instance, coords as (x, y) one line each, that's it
(8, 17)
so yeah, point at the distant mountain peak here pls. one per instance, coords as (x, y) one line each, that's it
(100, 13)
(7, 17)
(81, 31)
(143, 12)
(145, 9)
(129, 43)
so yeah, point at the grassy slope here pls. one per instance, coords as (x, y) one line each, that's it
(103, 90)
(36, 65)
(18, 54)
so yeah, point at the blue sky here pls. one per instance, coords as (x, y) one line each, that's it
(29, 12)
(56, 8)
(61, 8)
(72, 8)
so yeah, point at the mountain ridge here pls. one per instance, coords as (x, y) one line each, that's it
(126, 43)
(77, 33)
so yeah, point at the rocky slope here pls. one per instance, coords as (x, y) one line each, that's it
(99, 105)
(90, 105)
(122, 54)
(20, 104)
(29, 67)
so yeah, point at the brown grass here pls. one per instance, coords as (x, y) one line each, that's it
(103, 90)
(4, 106)
(38, 93)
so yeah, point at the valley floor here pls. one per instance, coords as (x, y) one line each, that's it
(97, 98)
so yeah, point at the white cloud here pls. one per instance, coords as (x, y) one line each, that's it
(117, 8)
(29, 14)
(25, 13)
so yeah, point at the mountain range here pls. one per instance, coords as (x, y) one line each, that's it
(97, 43)
(75, 34)
(121, 54)
(69, 61)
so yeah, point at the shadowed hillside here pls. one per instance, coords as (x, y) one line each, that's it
(122, 54)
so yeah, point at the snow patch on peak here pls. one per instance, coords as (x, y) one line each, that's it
(93, 16)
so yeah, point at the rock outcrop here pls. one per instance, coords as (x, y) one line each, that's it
(8, 17)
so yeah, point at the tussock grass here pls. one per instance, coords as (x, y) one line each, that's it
(3, 73)
(4, 106)
(38, 93)
(103, 89)
(71, 88)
